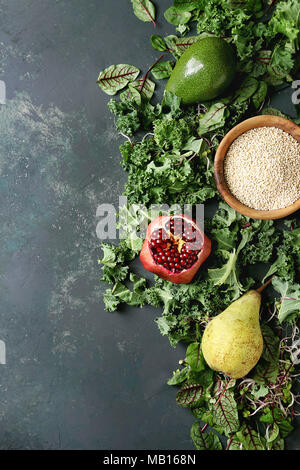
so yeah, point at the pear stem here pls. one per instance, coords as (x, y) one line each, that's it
(261, 288)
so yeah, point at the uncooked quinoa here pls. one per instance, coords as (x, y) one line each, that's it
(262, 168)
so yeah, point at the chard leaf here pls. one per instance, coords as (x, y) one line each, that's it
(145, 87)
(144, 10)
(272, 433)
(246, 90)
(265, 372)
(275, 415)
(260, 95)
(115, 77)
(213, 119)
(234, 444)
(194, 357)
(278, 444)
(224, 411)
(271, 344)
(204, 440)
(177, 16)
(189, 5)
(158, 43)
(162, 70)
(281, 64)
(189, 395)
(178, 46)
(250, 439)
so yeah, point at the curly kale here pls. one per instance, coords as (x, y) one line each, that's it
(171, 133)
(128, 120)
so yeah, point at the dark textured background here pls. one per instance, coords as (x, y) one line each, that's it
(76, 377)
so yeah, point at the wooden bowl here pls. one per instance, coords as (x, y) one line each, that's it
(257, 121)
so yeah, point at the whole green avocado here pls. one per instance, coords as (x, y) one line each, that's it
(204, 71)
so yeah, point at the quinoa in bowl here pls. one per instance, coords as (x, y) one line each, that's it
(262, 168)
(257, 167)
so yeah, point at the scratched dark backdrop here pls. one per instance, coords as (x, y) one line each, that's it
(76, 377)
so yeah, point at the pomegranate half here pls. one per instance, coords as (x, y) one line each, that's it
(174, 248)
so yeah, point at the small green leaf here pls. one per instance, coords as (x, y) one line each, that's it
(194, 357)
(144, 10)
(179, 376)
(246, 90)
(158, 43)
(260, 95)
(176, 16)
(273, 433)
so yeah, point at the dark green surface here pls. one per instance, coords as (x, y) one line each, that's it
(76, 377)
(204, 71)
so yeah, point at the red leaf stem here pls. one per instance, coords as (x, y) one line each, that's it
(148, 13)
(148, 71)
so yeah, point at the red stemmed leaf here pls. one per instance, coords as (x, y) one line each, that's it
(116, 77)
(145, 87)
(189, 395)
(224, 409)
(144, 10)
(204, 440)
(249, 439)
(266, 373)
(271, 344)
(177, 46)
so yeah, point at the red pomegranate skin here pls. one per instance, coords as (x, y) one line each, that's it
(149, 263)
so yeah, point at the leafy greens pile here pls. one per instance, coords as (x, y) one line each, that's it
(173, 163)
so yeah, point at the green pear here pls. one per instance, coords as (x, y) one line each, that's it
(232, 342)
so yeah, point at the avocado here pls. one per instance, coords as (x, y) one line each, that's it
(204, 71)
